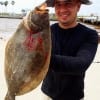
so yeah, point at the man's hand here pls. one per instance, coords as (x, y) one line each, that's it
(50, 3)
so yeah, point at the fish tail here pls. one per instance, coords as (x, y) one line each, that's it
(9, 97)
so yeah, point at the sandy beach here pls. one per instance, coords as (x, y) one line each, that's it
(92, 79)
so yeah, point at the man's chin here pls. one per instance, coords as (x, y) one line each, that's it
(64, 22)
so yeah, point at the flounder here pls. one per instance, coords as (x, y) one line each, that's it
(27, 53)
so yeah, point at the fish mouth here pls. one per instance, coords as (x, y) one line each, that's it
(42, 8)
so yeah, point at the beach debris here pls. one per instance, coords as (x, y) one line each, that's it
(27, 53)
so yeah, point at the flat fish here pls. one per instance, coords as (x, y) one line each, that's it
(27, 53)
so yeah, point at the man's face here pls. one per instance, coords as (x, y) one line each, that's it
(66, 12)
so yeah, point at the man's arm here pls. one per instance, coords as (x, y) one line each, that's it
(79, 63)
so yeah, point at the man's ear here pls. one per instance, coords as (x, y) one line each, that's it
(79, 6)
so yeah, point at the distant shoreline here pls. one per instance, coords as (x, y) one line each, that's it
(19, 17)
(12, 17)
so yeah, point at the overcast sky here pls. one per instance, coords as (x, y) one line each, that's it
(30, 4)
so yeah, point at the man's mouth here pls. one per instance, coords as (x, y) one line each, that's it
(64, 15)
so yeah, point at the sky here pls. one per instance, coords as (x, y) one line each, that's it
(30, 4)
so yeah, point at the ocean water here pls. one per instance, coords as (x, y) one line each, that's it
(8, 27)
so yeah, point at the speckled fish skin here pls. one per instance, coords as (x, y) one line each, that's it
(27, 54)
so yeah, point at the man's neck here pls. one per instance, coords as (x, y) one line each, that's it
(67, 26)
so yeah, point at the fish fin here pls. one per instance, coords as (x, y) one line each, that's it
(9, 96)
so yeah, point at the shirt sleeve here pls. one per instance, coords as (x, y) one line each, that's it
(76, 64)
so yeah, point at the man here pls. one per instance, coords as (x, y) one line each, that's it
(73, 49)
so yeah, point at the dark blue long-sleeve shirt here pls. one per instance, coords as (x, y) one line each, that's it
(73, 50)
